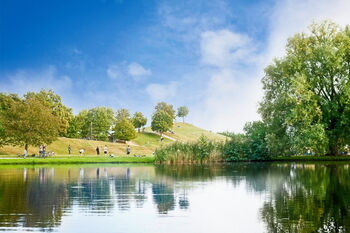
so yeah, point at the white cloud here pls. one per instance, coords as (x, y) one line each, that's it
(162, 92)
(23, 81)
(114, 72)
(233, 92)
(135, 69)
(223, 48)
(229, 102)
(122, 70)
(293, 16)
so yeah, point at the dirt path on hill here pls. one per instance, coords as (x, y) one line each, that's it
(166, 136)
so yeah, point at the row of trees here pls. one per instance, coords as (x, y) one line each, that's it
(39, 118)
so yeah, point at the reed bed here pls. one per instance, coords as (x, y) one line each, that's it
(202, 151)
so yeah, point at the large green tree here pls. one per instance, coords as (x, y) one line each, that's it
(95, 123)
(161, 122)
(307, 93)
(138, 120)
(124, 130)
(27, 121)
(76, 125)
(54, 102)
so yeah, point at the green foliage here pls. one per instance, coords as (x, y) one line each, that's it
(54, 102)
(251, 145)
(182, 112)
(121, 114)
(255, 134)
(76, 124)
(235, 149)
(94, 123)
(168, 108)
(124, 130)
(27, 121)
(306, 102)
(203, 150)
(161, 121)
(138, 120)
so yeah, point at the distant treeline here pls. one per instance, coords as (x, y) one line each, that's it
(40, 117)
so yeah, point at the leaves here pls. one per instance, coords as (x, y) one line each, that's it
(307, 93)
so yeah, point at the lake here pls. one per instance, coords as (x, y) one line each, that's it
(241, 197)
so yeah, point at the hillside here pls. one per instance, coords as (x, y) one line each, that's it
(144, 144)
(187, 132)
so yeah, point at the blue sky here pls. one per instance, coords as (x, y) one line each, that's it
(207, 55)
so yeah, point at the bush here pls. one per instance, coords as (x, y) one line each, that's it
(203, 150)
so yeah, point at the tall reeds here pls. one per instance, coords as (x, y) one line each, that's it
(201, 151)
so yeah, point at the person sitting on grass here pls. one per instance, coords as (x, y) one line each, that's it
(81, 151)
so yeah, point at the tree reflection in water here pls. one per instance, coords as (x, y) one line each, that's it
(298, 197)
(309, 198)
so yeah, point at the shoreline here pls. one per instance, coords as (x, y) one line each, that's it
(75, 160)
(150, 159)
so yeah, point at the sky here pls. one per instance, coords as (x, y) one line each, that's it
(207, 55)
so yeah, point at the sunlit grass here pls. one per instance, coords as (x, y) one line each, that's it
(78, 160)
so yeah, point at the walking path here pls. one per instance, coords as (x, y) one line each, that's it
(166, 136)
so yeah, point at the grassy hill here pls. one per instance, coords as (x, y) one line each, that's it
(186, 132)
(145, 143)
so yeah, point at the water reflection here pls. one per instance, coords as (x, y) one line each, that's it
(284, 197)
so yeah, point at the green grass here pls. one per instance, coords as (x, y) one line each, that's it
(145, 144)
(60, 147)
(76, 160)
(187, 133)
(150, 140)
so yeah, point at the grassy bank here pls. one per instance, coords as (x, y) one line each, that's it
(180, 159)
(311, 158)
(76, 160)
(144, 144)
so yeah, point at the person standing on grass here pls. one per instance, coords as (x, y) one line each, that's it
(40, 150)
(105, 150)
(69, 149)
(25, 153)
(128, 150)
(97, 150)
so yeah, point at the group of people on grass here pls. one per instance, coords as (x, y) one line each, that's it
(42, 152)
(105, 150)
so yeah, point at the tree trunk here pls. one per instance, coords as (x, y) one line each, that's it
(333, 148)
(26, 147)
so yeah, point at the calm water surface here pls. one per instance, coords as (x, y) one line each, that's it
(243, 197)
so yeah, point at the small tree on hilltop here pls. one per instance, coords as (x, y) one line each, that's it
(122, 113)
(182, 112)
(124, 130)
(168, 108)
(28, 122)
(161, 122)
(139, 120)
